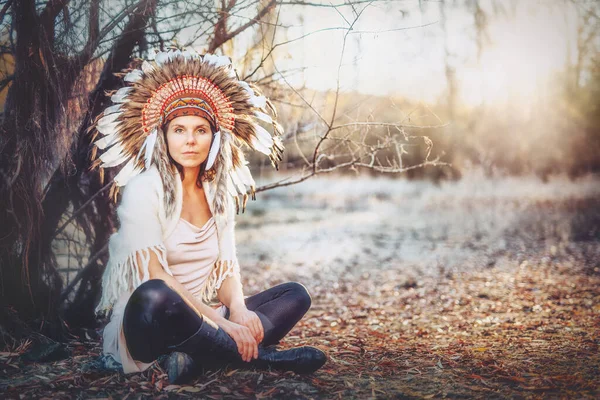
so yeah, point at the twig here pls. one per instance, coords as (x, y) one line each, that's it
(79, 210)
(91, 263)
(390, 124)
(4, 10)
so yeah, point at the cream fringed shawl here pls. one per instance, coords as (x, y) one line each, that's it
(144, 226)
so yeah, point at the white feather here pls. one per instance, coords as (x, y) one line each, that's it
(116, 162)
(227, 136)
(209, 58)
(245, 175)
(126, 173)
(263, 117)
(193, 53)
(277, 141)
(173, 54)
(257, 145)
(108, 119)
(231, 187)
(112, 109)
(232, 73)
(222, 61)
(217, 61)
(149, 142)
(119, 97)
(113, 157)
(259, 101)
(133, 76)
(142, 150)
(246, 86)
(108, 128)
(147, 67)
(161, 58)
(105, 141)
(263, 136)
(241, 188)
(214, 150)
(187, 54)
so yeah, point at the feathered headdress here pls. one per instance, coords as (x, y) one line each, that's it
(131, 128)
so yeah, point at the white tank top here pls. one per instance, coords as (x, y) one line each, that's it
(192, 253)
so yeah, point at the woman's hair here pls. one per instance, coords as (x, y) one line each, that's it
(201, 173)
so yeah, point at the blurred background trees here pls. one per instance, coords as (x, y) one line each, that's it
(419, 88)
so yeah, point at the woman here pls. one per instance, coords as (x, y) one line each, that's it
(177, 127)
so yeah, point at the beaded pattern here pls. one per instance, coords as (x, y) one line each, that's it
(184, 86)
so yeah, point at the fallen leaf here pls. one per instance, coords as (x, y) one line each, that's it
(190, 389)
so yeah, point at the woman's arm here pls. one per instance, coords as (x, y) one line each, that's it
(231, 294)
(246, 344)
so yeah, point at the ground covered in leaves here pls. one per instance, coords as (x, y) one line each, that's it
(487, 289)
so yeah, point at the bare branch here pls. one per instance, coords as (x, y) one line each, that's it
(388, 124)
(4, 10)
(298, 94)
(53, 7)
(282, 183)
(77, 212)
(339, 5)
(353, 163)
(158, 34)
(90, 265)
(228, 36)
(94, 27)
(337, 92)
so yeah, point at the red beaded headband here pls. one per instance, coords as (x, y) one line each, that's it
(187, 86)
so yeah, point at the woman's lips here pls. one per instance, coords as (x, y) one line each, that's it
(190, 153)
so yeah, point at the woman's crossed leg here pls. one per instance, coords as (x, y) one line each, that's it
(156, 316)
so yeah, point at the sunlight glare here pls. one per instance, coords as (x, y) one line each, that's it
(520, 60)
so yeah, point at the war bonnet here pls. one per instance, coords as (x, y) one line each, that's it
(129, 132)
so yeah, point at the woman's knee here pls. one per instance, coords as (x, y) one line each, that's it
(150, 295)
(301, 295)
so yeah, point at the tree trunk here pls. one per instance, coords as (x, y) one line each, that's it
(30, 111)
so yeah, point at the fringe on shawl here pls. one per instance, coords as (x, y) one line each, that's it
(221, 270)
(123, 277)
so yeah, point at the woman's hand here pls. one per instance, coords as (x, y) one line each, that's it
(249, 319)
(246, 343)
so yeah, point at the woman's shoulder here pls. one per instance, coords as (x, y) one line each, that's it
(149, 178)
(146, 183)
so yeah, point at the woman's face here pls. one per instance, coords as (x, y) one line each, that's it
(188, 139)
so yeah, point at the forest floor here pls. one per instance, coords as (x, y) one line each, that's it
(484, 288)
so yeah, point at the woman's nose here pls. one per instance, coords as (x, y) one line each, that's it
(191, 138)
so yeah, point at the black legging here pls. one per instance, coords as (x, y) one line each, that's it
(156, 316)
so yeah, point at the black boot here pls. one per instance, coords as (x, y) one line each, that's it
(301, 360)
(180, 367)
(214, 348)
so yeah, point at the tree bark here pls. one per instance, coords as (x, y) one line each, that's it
(30, 111)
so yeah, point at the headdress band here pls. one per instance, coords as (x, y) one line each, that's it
(187, 86)
(190, 106)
